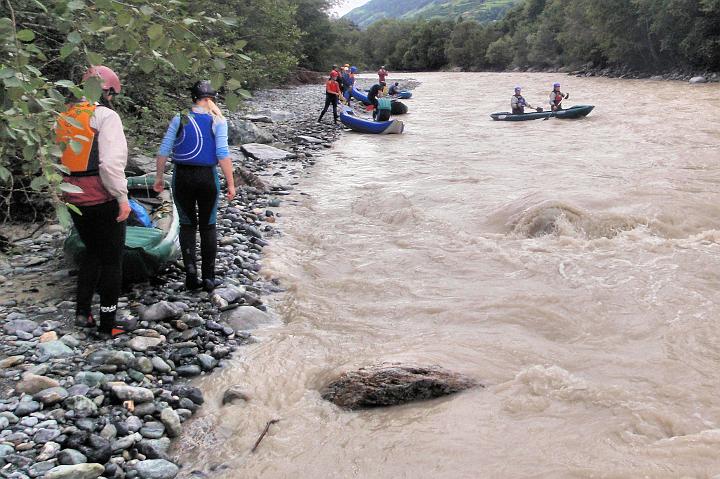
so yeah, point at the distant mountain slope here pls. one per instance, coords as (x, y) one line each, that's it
(480, 10)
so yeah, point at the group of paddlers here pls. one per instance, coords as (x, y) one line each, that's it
(339, 86)
(93, 162)
(518, 102)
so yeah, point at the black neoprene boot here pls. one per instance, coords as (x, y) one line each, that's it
(208, 251)
(187, 248)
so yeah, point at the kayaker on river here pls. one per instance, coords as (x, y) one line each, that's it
(394, 89)
(97, 166)
(332, 96)
(556, 97)
(198, 143)
(518, 102)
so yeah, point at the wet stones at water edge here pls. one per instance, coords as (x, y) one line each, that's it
(394, 384)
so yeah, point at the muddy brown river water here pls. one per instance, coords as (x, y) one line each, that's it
(571, 266)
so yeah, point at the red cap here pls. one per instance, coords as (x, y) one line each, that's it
(334, 74)
(108, 77)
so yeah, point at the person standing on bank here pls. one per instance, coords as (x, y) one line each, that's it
(332, 96)
(97, 167)
(198, 143)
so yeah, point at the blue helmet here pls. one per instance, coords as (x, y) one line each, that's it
(556, 84)
(353, 69)
(518, 88)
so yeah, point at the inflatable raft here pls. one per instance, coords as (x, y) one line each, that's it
(398, 108)
(578, 111)
(147, 248)
(358, 95)
(404, 95)
(361, 125)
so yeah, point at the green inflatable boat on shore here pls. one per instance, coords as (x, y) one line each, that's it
(147, 249)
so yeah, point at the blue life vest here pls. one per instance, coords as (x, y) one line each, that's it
(195, 143)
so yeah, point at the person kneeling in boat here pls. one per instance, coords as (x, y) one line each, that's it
(394, 89)
(99, 212)
(198, 144)
(556, 97)
(518, 103)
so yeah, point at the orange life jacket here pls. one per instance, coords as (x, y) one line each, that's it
(86, 160)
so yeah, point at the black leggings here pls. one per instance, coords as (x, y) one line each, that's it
(330, 100)
(196, 190)
(101, 264)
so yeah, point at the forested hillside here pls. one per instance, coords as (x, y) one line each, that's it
(626, 35)
(479, 10)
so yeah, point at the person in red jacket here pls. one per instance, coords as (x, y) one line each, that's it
(97, 169)
(332, 95)
(382, 74)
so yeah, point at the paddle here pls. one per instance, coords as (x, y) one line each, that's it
(567, 95)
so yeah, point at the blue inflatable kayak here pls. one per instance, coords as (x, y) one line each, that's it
(404, 95)
(348, 118)
(571, 113)
(360, 96)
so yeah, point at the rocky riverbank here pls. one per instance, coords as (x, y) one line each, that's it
(75, 407)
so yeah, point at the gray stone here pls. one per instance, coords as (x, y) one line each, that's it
(71, 457)
(264, 152)
(161, 311)
(51, 396)
(45, 435)
(25, 325)
(245, 131)
(78, 390)
(247, 318)
(33, 383)
(133, 423)
(156, 469)
(152, 430)
(131, 393)
(108, 432)
(259, 118)
(160, 365)
(113, 358)
(40, 468)
(70, 340)
(206, 362)
(171, 420)
(90, 378)
(229, 293)
(144, 365)
(143, 343)
(26, 407)
(309, 139)
(698, 79)
(188, 370)
(140, 164)
(6, 450)
(49, 450)
(390, 385)
(83, 406)
(77, 471)
(54, 349)
(154, 448)
(123, 443)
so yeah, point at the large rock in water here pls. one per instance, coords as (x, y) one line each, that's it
(264, 152)
(390, 385)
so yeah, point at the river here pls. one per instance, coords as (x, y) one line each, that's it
(573, 267)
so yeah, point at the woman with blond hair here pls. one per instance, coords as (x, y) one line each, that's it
(197, 143)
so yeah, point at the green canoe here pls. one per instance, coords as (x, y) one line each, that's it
(146, 249)
(571, 113)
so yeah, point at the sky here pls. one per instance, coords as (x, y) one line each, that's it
(347, 5)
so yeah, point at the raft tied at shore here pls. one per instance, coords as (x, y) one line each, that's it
(348, 118)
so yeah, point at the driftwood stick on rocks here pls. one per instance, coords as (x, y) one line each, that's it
(265, 431)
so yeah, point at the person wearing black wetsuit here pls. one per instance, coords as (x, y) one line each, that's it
(197, 147)
(373, 94)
